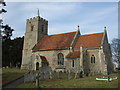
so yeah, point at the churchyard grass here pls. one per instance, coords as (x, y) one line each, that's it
(9, 74)
(86, 82)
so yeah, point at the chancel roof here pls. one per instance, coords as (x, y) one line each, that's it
(63, 41)
(89, 41)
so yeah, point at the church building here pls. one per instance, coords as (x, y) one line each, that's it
(66, 51)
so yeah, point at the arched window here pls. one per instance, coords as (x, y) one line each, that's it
(32, 26)
(37, 66)
(60, 59)
(92, 59)
(73, 63)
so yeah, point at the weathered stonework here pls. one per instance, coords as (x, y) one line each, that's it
(37, 27)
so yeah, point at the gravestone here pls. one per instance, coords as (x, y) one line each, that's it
(7, 67)
(59, 75)
(42, 75)
(69, 75)
(51, 75)
(87, 74)
(81, 74)
(76, 74)
(90, 73)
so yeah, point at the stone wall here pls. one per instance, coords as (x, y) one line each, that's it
(32, 36)
(107, 52)
(52, 58)
(99, 65)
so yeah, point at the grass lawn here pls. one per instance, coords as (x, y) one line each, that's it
(9, 74)
(86, 82)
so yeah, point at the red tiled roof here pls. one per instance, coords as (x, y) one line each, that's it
(89, 41)
(58, 41)
(75, 54)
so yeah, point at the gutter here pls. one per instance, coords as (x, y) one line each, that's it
(87, 48)
(49, 49)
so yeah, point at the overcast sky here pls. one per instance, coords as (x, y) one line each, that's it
(64, 17)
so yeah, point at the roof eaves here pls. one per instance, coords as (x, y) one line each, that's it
(87, 48)
(72, 58)
(102, 39)
(49, 49)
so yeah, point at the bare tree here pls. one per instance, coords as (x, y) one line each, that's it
(115, 47)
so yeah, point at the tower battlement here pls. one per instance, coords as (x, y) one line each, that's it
(36, 28)
(36, 18)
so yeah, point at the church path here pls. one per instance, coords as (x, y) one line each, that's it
(14, 83)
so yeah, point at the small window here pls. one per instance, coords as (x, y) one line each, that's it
(73, 63)
(37, 66)
(92, 59)
(32, 26)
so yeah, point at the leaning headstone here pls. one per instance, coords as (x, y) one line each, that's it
(81, 74)
(91, 73)
(10, 65)
(42, 75)
(76, 74)
(16, 65)
(58, 75)
(47, 75)
(69, 75)
(51, 77)
(87, 74)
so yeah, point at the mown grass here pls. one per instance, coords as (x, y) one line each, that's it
(86, 82)
(9, 74)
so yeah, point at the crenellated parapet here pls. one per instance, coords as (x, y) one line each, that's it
(37, 18)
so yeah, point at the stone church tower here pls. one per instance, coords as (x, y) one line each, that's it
(35, 28)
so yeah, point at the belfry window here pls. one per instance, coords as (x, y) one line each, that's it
(32, 27)
(60, 59)
(92, 59)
